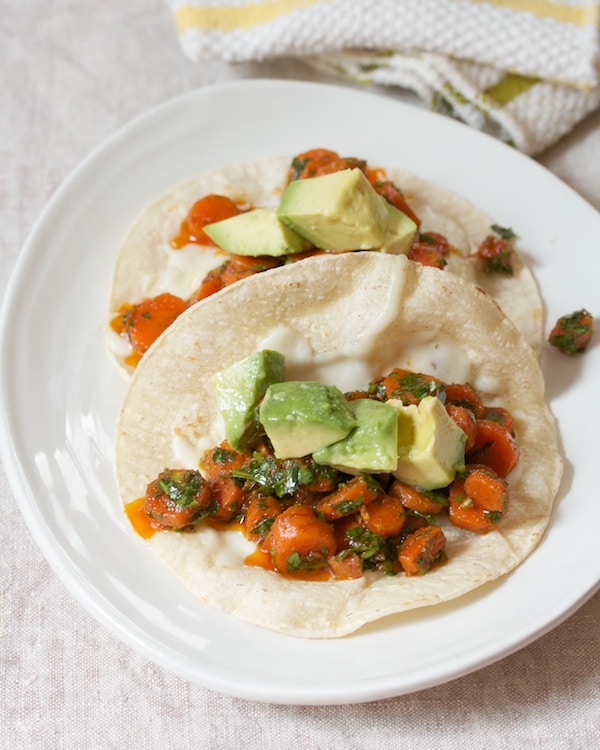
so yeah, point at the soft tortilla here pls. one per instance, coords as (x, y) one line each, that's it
(147, 265)
(352, 316)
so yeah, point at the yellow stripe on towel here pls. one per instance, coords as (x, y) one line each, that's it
(229, 17)
(508, 88)
(588, 15)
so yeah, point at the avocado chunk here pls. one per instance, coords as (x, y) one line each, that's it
(372, 446)
(301, 417)
(239, 389)
(256, 232)
(338, 211)
(431, 446)
(401, 230)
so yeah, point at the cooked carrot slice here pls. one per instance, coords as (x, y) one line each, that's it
(478, 501)
(572, 333)
(228, 493)
(345, 567)
(498, 414)
(234, 269)
(260, 513)
(319, 161)
(205, 211)
(177, 498)
(430, 249)
(349, 497)
(463, 394)
(145, 321)
(465, 419)
(385, 516)
(299, 540)
(211, 284)
(392, 193)
(408, 386)
(417, 500)
(496, 254)
(421, 550)
(495, 447)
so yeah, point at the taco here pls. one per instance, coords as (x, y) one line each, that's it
(342, 319)
(163, 266)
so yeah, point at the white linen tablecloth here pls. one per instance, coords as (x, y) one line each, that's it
(71, 73)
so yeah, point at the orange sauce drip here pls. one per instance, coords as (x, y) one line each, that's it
(262, 559)
(143, 525)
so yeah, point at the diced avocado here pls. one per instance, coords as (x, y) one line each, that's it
(431, 446)
(256, 232)
(301, 417)
(240, 387)
(338, 211)
(372, 446)
(400, 232)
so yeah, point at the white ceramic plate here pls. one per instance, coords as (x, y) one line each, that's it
(62, 393)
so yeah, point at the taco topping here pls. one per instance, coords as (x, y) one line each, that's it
(372, 474)
(497, 251)
(572, 333)
(329, 204)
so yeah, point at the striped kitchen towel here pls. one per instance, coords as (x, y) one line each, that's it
(524, 70)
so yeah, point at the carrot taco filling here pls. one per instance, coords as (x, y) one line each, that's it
(389, 462)
(247, 233)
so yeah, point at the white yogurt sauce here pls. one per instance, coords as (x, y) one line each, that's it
(186, 268)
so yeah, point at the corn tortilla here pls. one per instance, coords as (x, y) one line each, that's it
(147, 265)
(356, 315)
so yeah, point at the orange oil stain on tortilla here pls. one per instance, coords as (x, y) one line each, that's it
(140, 521)
(262, 559)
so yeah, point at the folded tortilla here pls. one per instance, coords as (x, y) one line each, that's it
(147, 265)
(341, 319)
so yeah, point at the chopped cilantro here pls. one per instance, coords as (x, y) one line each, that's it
(181, 487)
(572, 333)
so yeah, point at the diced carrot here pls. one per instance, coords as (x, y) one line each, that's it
(345, 567)
(498, 414)
(240, 267)
(342, 529)
(349, 497)
(227, 491)
(416, 500)
(478, 501)
(496, 254)
(299, 540)
(465, 419)
(260, 513)
(144, 322)
(177, 498)
(408, 386)
(234, 269)
(385, 516)
(320, 161)
(430, 249)
(392, 193)
(419, 551)
(572, 333)
(211, 284)
(463, 394)
(495, 447)
(205, 211)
